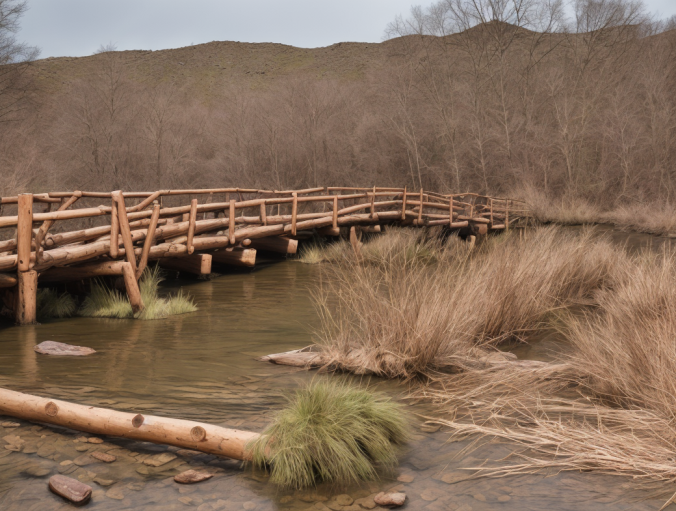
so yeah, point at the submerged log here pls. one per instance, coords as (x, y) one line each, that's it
(235, 256)
(102, 421)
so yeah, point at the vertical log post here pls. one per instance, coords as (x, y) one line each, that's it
(24, 231)
(450, 212)
(403, 205)
(373, 200)
(420, 211)
(192, 218)
(264, 214)
(335, 212)
(294, 213)
(507, 215)
(133, 291)
(27, 289)
(114, 230)
(125, 230)
(149, 241)
(26, 298)
(491, 203)
(231, 223)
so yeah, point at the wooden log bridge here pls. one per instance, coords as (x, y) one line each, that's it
(189, 230)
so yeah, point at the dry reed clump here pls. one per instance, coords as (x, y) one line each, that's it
(651, 218)
(622, 365)
(319, 252)
(104, 302)
(332, 431)
(401, 318)
(564, 210)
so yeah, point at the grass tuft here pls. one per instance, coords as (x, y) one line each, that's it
(332, 431)
(104, 302)
(50, 304)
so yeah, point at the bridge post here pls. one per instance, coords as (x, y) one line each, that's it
(27, 280)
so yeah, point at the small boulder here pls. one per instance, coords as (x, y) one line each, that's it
(192, 476)
(59, 348)
(390, 499)
(70, 489)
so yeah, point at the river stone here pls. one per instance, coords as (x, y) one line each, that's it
(10, 424)
(83, 460)
(192, 476)
(390, 499)
(75, 491)
(115, 493)
(160, 459)
(59, 348)
(102, 456)
(104, 482)
(94, 440)
(344, 499)
(366, 503)
(37, 471)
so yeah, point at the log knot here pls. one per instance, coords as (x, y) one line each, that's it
(198, 433)
(137, 421)
(51, 409)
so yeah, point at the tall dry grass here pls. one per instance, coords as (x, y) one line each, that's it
(402, 316)
(620, 417)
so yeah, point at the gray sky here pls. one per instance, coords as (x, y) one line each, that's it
(79, 27)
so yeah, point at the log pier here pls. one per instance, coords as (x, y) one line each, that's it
(183, 232)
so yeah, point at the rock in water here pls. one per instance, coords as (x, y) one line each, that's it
(390, 499)
(102, 456)
(59, 348)
(192, 476)
(71, 489)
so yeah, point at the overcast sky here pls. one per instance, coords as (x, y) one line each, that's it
(79, 27)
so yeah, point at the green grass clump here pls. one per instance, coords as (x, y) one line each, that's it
(110, 303)
(50, 304)
(332, 431)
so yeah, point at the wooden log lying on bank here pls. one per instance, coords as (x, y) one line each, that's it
(102, 421)
(197, 264)
(276, 244)
(235, 256)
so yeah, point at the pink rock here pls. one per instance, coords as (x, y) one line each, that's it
(390, 499)
(71, 489)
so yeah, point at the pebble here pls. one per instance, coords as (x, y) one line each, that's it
(406, 478)
(102, 456)
(192, 476)
(81, 448)
(344, 500)
(115, 493)
(480, 497)
(65, 463)
(366, 503)
(249, 505)
(104, 482)
(504, 498)
(453, 477)
(431, 494)
(160, 459)
(286, 499)
(10, 424)
(390, 499)
(190, 501)
(83, 460)
(37, 471)
(94, 440)
(137, 486)
(70, 489)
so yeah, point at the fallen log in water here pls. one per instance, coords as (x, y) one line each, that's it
(186, 434)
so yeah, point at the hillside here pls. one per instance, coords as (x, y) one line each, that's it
(208, 66)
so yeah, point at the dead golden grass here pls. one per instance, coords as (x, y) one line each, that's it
(402, 316)
(609, 406)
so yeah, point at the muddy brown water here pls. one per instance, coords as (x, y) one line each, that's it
(202, 366)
